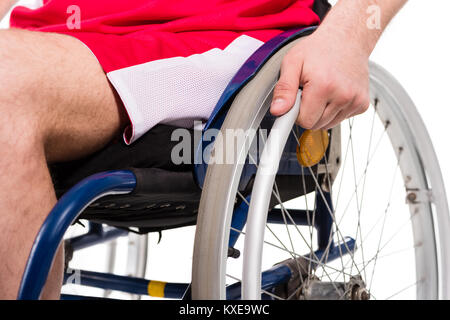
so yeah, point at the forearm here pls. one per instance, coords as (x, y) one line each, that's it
(361, 22)
(5, 5)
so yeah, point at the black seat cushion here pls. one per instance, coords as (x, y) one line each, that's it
(166, 195)
(152, 150)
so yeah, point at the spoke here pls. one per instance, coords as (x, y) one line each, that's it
(319, 261)
(359, 203)
(331, 213)
(363, 176)
(368, 156)
(365, 171)
(310, 223)
(272, 295)
(295, 225)
(294, 293)
(233, 277)
(395, 234)
(288, 232)
(338, 231)
(243, 198)
(285, 213)
(350, 252)
(330, 238)
(364, 264)
(283, 248)
(264, 291)
(404, 289)
(381, 257)
(350, 125)
(385, 216)
(343, 166)
(330, 188)
(294, 254)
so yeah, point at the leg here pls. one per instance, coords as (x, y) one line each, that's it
(56, 105)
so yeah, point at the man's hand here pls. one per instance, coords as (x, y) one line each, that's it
(335, 81)
(332, 66)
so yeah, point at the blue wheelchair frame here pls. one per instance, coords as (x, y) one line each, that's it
(72, 204)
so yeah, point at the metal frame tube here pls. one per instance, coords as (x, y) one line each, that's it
(132, 285)
(95, 235)
(65, 212)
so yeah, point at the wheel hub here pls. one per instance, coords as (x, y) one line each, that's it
(314, 289)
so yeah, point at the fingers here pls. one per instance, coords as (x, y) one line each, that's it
(285, 91)
(314, 104)
(359, 105)
(340, 107)
(330, 113)
(338, 119)
(329, 96)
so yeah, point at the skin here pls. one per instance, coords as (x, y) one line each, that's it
(336, 85)
(5, 5)
(57, 105)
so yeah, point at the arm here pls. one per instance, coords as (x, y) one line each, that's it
(332, 64)
(5, 5)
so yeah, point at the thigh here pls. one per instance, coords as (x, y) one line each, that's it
(56, 78)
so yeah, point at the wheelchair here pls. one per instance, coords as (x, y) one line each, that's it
(353, 213)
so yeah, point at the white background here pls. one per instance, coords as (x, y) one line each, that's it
(415, 48)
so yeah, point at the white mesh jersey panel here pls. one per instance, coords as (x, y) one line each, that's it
(178, 90)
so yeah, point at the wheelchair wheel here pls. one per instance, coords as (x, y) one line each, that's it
(379, 184)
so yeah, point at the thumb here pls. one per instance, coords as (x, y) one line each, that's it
(286, 89)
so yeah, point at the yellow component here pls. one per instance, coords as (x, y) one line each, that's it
(312, 147)
(156, 289)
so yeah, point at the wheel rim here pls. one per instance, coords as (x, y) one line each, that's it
(427, 262)
(373, 239)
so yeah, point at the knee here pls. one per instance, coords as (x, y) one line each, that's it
(16, 74)
(20, 136)
(20, 119)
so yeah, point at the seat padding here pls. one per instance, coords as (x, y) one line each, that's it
(166, 194)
